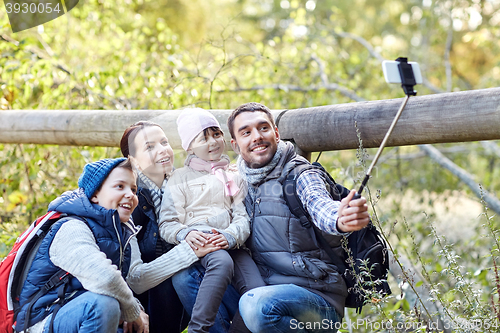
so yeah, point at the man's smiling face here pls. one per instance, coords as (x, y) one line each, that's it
(255, 138)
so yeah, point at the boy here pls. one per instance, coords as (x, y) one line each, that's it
(99, 249)
(91, 250)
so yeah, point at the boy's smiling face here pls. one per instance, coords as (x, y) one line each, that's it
(118, 191)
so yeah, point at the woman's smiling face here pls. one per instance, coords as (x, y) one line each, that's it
(153, 154)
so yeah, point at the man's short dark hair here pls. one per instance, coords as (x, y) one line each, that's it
(248, 107)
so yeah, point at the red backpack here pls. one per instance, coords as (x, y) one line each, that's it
(15, 267)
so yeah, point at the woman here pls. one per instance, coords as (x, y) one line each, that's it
(147, 146)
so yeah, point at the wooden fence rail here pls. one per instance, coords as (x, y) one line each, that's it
(449, 117)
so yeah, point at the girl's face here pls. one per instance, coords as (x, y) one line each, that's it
(209, 147)
(118, 191)
(153, 154)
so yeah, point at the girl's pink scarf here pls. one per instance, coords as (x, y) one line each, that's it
(218, 169)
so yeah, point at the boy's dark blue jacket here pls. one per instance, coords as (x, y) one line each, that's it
(110, 237)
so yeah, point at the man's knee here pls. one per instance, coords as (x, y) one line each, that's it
(254, 308)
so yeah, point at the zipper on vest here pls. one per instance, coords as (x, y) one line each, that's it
(258, 205)
(120, 241)
(134, 233)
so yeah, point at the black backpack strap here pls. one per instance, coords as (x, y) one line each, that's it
(336, 191)
(290, 194)
(61, 300)
(61, 277)
(295, 205)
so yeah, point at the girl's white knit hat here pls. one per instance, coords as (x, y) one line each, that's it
(192, 122)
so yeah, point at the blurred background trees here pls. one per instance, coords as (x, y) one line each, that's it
(218, 54)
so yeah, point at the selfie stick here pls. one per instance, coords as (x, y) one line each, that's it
(407, 83)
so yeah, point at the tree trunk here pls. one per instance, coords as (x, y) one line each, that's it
(464, 176)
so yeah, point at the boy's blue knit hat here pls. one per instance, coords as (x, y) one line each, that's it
(95, 173)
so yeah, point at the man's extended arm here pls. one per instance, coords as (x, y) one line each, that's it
(334, 217)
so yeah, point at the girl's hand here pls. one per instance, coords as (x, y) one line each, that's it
(197, 239)
(218, 239)
(204, 250)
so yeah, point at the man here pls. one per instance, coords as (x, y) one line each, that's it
(304, 289)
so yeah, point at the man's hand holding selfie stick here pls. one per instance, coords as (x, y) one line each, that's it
(353, 211)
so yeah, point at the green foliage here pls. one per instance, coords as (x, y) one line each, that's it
(459, 270)
(168, 54)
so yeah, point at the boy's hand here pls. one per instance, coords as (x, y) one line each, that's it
(353, 214)
(197, 239)
(140, 325)
(218, 239)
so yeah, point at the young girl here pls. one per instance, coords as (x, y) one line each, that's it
(205, 205)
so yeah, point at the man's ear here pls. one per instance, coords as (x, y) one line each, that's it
(277, 133)
(94, 199)
(235, 146)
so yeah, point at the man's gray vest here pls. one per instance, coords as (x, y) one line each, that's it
(284, 250)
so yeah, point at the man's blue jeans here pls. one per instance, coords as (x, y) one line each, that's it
(186, 284)
(287, 308)
(87, 313)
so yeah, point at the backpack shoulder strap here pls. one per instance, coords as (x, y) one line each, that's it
(337, 192)
(61, 277)
(291, 197)
(21, 271)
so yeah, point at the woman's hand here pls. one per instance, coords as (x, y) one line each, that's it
(140, 325)
(197, 239)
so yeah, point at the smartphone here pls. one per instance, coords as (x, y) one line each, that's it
(391, 71)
